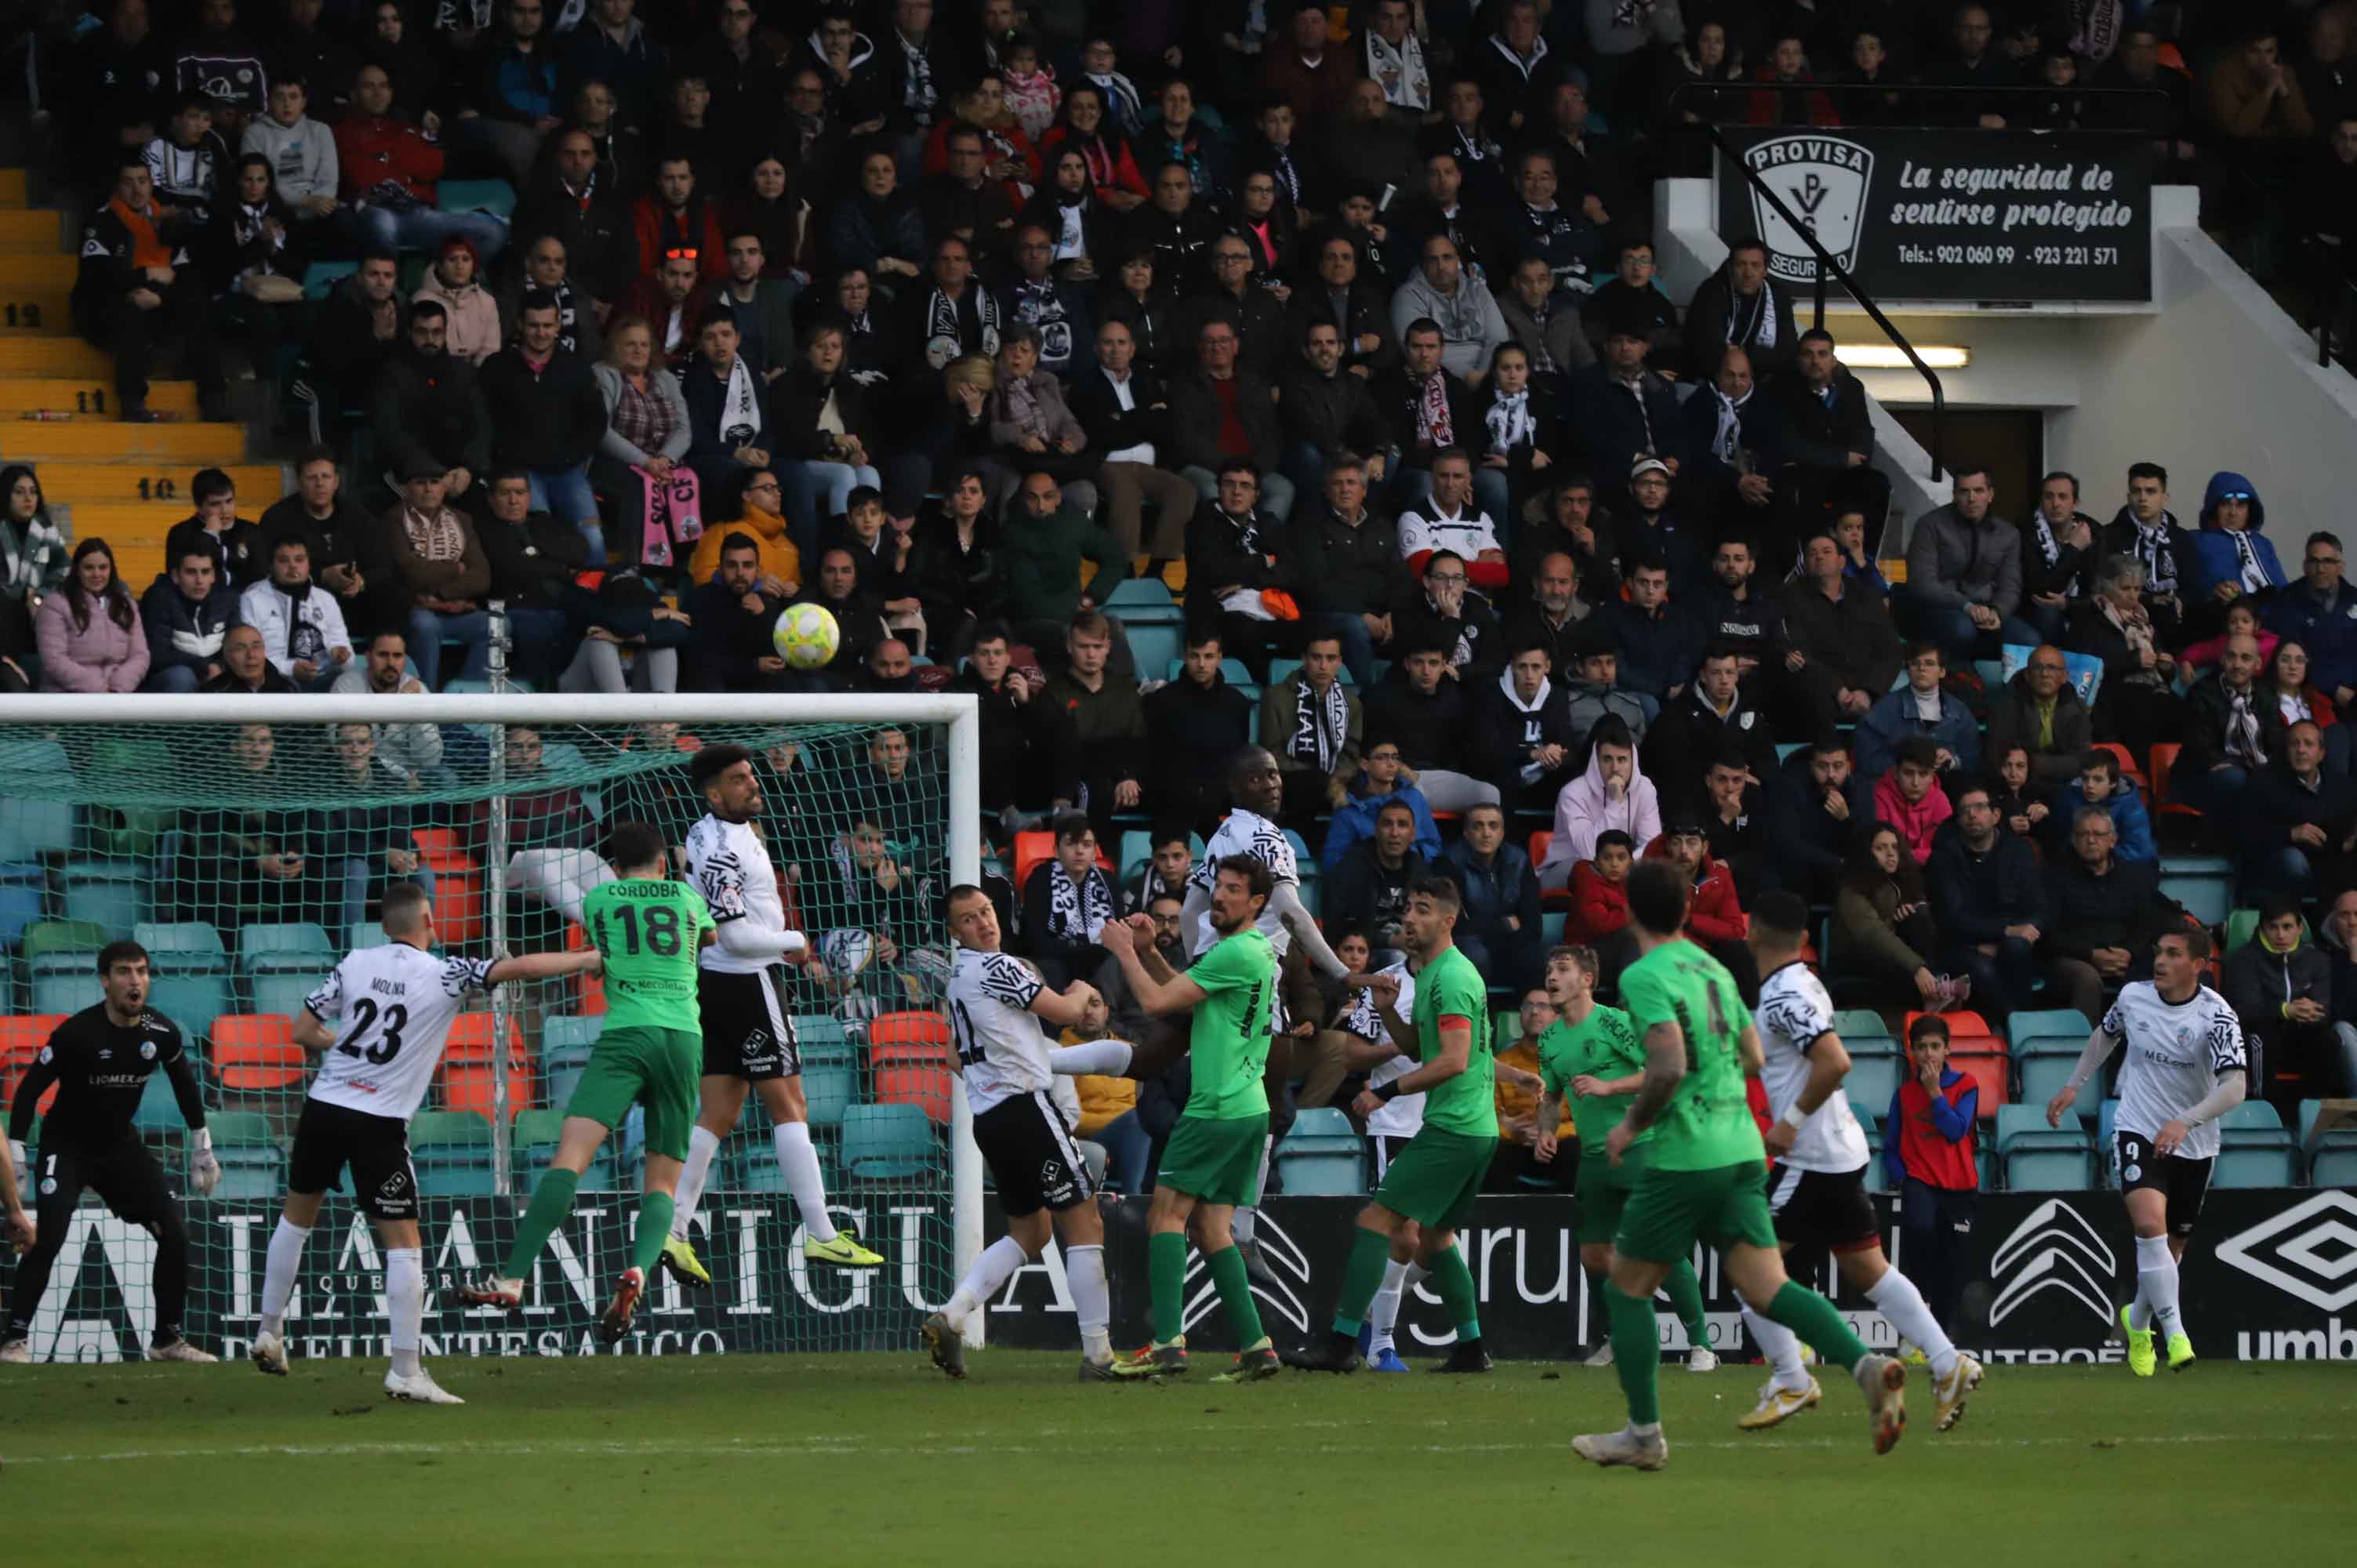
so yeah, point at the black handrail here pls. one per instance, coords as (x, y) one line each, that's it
(1826, 264)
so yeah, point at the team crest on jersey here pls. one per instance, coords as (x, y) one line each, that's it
(48, 1186)
(47, 1056)
(148, 1050)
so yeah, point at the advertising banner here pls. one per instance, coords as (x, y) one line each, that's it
(1918, 213)
(2271, 1276)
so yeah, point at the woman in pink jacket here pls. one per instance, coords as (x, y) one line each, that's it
(88, 630)
(473, 314)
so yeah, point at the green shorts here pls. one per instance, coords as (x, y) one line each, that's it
(1604, 1189)
(1435, 1180)
(1668, 1211)
(1215, 1160)
(654, 1068)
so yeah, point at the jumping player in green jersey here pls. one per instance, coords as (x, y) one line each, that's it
(1591, 1053)
(1212, 1163)
(1434, 1180)
(1705, 1180)
(649, 1052)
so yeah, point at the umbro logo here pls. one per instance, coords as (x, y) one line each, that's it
(2054, 1249)
(2308, 1251)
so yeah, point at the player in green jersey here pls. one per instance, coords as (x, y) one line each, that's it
(1435, 1180)
(650, 1053)
(1591, 1053)
(1705, 1180)
(1212, 1163)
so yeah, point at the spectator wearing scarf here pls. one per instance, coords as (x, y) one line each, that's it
(1067, 901)
(1313, 724)
(2229, 548)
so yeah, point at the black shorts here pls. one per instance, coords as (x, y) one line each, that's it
(329, 1137)
(2186, 1182)
(123, 1174)
(1822, 1211)
(1033, 1161)
(748, 1032)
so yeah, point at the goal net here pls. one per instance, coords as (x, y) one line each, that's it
(246, 844)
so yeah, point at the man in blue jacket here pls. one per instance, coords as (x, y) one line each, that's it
(187, 617)
(1378, 784)
(2099, 784)
(2230, 556)
(1920, 707)
(2321, 615)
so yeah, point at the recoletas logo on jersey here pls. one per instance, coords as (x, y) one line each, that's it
(2309, 1252)
(1824, 181)
(2054, 1249)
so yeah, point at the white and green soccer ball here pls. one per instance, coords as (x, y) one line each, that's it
(806, 636)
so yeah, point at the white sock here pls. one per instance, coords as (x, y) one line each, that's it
(1781, 1345)
(1107, 1058)
(404, 1294)
(989, 1276)
(799, 1161)
(1383, 1313)
(278, 1276)
(703, 1143)
(2157, 1282)
(2139, 1310)
(1084, 1270)
(1242, 1225)
(1895, 1296)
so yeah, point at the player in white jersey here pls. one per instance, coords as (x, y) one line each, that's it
(996, 1003)
(1817, 1189)
(748, 1032)
(379, 1023)
(2184, 1069)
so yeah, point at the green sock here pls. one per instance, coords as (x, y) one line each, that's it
(1457, 1293)
(1685, 1300)
(1166, 1259)
(654, 1227)
(1813, 1317)
(1636, 1353)
(1235, 1294)
(551, 1201)
(1361, 1277)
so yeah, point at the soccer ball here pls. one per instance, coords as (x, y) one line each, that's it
(806, 636)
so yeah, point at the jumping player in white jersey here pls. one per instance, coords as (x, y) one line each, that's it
(379, 1021)
(2184, 1069)
(1816, 1190)
(996, 1003)
(748, 1033)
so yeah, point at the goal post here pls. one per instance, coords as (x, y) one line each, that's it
(246, 843)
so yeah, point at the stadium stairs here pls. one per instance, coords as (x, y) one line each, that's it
(126, 484)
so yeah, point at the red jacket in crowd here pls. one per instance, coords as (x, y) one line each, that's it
(1714, 916)
(376, 151)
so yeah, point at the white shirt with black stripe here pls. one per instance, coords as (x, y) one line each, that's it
(1793, 1014)
(730, 867)
(1001, 1052)
(2177, 1053)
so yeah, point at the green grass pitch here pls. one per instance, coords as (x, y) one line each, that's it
(877, 1459)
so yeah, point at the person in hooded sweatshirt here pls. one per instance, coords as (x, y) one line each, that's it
(2230, 556)
(1198, 722)
(1909, 798)
(1521, 730)
(302, 152)
(1610, 792)
(471, 316)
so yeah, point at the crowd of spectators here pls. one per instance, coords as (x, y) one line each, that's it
(953, 318)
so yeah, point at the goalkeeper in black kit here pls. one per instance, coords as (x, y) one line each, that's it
(100, 1059)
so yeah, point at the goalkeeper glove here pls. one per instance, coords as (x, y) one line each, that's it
(204, 1171)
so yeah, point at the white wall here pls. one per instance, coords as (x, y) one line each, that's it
(2212, 375)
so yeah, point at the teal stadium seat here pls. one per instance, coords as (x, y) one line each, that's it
(298, 945)
(2039, 1158)
(1322, 1155)
(2255, 1149)
(889, 1143)
(254, 1169)
(109, 894)
(452, 1153)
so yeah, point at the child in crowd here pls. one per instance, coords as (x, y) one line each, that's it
(1599, 890)
(2100, 784)
(2010, 794)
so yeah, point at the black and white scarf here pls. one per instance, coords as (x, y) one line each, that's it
(1287, 175)
(1509, 422)
(1433, 422)
(1760, 332)
(247, 226)
(1727, 442)
(917, 97)
(740, 406)
(1412, 85)
(2243, 727)
(945, 340)
(1320, 724)
(1078, 911)
(30, 548)
(1122, 93)
(2048, 546)
(2155, 547)
(2254, 574)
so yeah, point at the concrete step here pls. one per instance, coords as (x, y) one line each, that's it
(39, 229)
(187, 444)
(25, 354)
(14, 189)
(91, 398)
(78, 484)
(43, 312)
(52, 270)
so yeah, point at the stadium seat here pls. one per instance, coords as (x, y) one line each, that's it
(182, 946)
(2164, 762)
(366, 934)
(320, 278)
(283, 995)
(1135, 594)
(31, 826)
(2045, 1071)
(254, 1052)
(159, 1107)
(918, 1037)
(24, 898)
(2058, 1022)
(2204, 884)
(254, 1169)
(533, 1145)
(2039, 1158)
(192, 1001)
(452, 1153)
(920, 1084)
(565, 1047)
(496, 196)
(1872, 1082)
(472, 1038)
(474, 1086)
(2255, 1148)
(109, 893)
(276, 949)
(22, 1036)
(1323, 1155)
(72, 943)
(829, 1092)
(1990, 1073)
(1154, 644)
(66, 991)
(889, 1143)
(1858, 1022)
